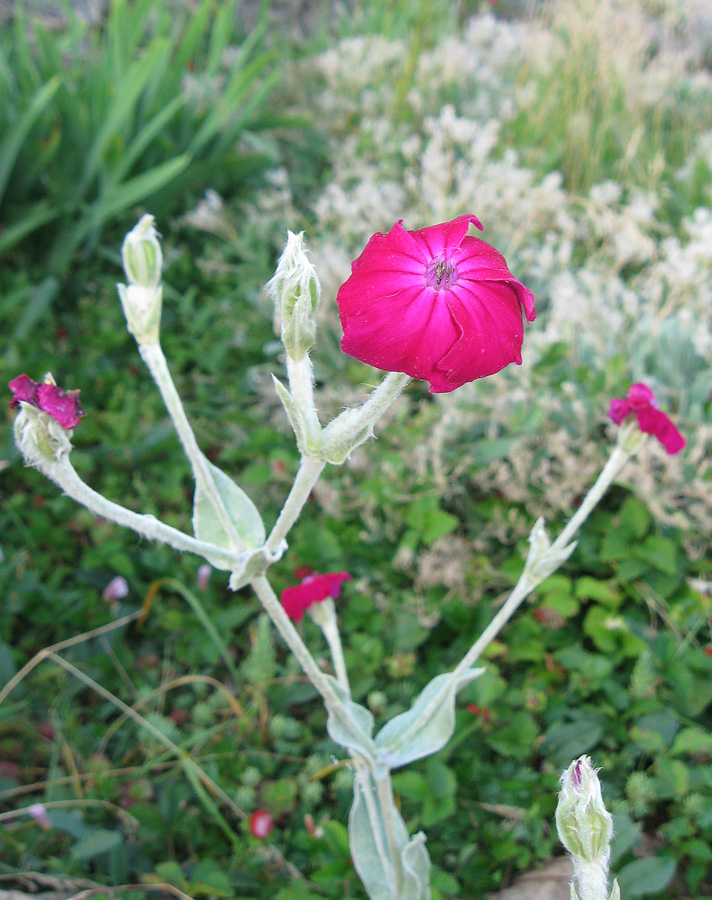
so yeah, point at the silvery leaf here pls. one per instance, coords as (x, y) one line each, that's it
(373, 866)
(253, 564)
(615, 891)
(416, 869)
(349, 724)
(241, 511)
(296, 419)
(427, 726)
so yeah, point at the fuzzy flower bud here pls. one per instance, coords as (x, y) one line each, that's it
(141, 298)
(141, 254)
(296, 293)
(585, 828)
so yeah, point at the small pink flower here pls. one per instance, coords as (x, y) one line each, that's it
(115, 590)
(313, 589)
(64, 406)
(203, 577)
(261, 824)
(436, 304)
(651, 420)
(39, 814)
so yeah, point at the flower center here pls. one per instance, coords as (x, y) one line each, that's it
(441, 275)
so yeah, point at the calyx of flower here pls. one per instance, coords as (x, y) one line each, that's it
(296, 293)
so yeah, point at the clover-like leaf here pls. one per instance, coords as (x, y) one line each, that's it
(242, 512)
(427, 726)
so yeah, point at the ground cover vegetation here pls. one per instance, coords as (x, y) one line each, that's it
(588, 161)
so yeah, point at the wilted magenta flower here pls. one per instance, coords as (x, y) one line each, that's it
(313, 589)
(436, 304)
(261, 824)
(651, 420)
(64, 406)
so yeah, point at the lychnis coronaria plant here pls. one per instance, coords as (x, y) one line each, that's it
(436, 304)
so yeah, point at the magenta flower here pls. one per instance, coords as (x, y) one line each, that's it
(64, 406)
(436, 304)
(313, 589)
(641, 401)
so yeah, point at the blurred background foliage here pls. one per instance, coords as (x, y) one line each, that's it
(337, 119)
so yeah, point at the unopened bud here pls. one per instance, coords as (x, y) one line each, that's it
(585, 828)
(141, 254)
(584, 824)
(141, 299)
(296, 292)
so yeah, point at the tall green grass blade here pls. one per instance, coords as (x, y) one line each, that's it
(39, 303)
(190, 44)
(125, 97)
(145, 136)
(226, 106)
(30, 222)
(139, 188)
(11, 144)
(221, 32)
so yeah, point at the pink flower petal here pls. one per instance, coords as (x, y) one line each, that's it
(64, 406)
(641, 400)
(640, 395)
(654, 421)
(435, 304)
(296, 600)
(25, 389)
(619, 410)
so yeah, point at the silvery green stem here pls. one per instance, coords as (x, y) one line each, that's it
(526, 583)
(591, 879)
(301, 385)
(610, 471)
(63, 473)
(275, 611)
(384, 787)
(309, 471)
(388, 851)
(354, 426)
(330, 629)
(153, 356)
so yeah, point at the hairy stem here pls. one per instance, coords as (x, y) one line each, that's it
(153, 356)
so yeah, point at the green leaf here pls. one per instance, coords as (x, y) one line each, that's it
(416, 869)
(376, 874)
(351, 725)
(658, 552)
(427, 726)
(99, 841)
(516, 738)
(569, 740)
(646, 876)
(241, 511)
(14, 137)
(694, 741)
(634, 518)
